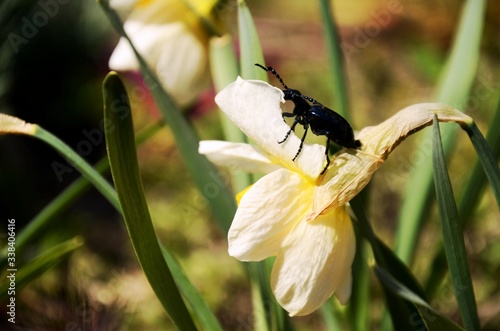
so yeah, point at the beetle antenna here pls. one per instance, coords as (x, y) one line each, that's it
(313, 101)
(271, 69)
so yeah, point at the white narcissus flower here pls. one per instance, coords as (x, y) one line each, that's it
(172, 36)
(293, 212)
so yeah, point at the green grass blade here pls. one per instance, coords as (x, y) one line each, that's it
(453, 237)
(224, 70)
(200, 308)
(399, 310)
(384, 256)
(330, 319)
(80, 164)
(251, 51)
(336, 60)
(477, 181)
(453, 88)
(427, 316)
(36, 267)
(223, 62)
(125, 171)
(467, 203)
(13, 125)
(44, 219)
(358, 309)
(487, 159)
(204, 173)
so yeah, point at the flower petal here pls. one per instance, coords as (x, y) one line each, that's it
(383, 138)
(350, 170)
(177, 56)
(314, 262)
(10, 124)
(255, 108)
(239, 156)
(266, 214)
(343, 293)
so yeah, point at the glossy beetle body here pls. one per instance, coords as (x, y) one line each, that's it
(322, 120)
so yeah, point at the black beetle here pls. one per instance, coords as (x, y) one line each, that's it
(322, 120)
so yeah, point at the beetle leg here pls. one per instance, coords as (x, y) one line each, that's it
(326, 154)
(287, 115)
(306, 127)
(292, 128)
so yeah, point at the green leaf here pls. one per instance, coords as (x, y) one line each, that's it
(205, 175)
(453, 89)
(46, 217)
(125, 171)
(251, 51)
(336, 60)
(42, 221)
(36, 267)
(477, 180)
(223, 62)
(13, 125)
(427, 316)
(358, 309)
(400, 311)
(359, 303)
(200, 308)
(454, 245)
(486, 157)
(467, 203)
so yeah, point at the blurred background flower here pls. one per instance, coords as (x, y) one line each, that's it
(172, 36)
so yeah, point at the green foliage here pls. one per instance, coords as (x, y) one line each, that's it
(453, 236)
(382, 276)
(125, 170)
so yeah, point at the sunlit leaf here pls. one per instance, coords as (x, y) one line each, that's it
(454, 245)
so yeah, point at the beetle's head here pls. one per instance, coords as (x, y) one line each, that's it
(291, 94)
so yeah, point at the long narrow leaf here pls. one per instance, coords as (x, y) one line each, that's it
(13, 125)
(202, 311)
(453, 236)
(428, 316)
(251, 51)
(36, 267)
(467, 203)
(487, 158)
(63, 201)
(336, 60)
(399, 310)
(125, 171)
